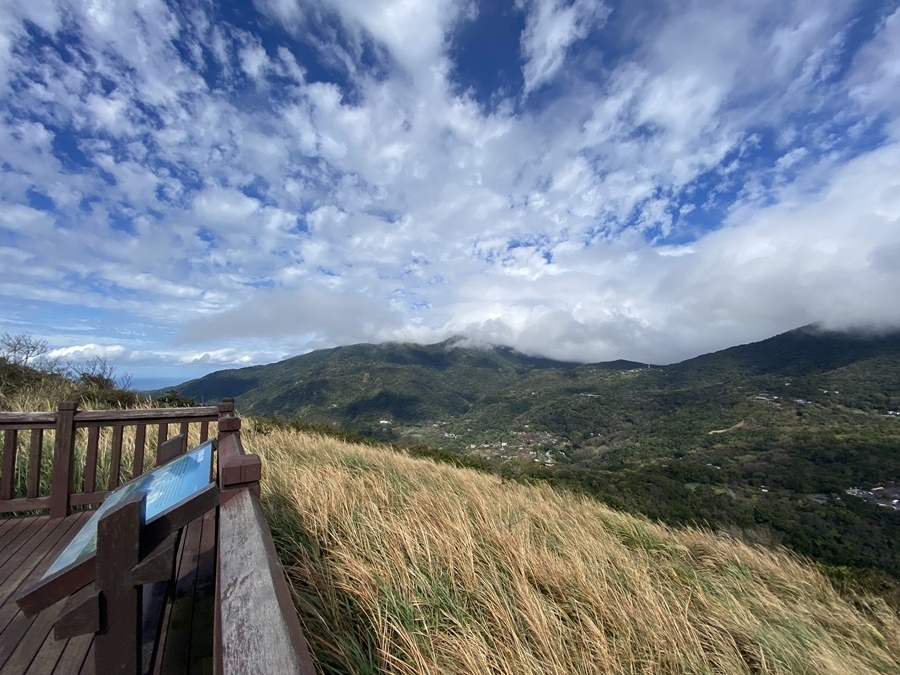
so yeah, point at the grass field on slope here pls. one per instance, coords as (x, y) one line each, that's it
(403, 565)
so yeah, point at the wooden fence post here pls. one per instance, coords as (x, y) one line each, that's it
(8, 472)
(117, 646)
(63, 458)
(226, 407)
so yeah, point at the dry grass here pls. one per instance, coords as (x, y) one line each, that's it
(401, 565)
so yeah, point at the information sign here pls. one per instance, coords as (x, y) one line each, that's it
(166, 487)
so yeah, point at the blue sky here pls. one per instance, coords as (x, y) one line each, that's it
(191, 186)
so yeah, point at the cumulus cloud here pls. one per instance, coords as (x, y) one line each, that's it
(664, 181)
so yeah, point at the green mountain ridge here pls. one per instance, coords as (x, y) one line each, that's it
(358, 386)
(764, 439)
(355, 384)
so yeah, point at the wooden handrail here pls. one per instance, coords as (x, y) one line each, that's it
(65, 422)
(257, 630)
(85, 418)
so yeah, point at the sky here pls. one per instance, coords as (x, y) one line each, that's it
(191, 186)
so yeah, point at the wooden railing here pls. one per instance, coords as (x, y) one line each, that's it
(256, 628)
(27, 469)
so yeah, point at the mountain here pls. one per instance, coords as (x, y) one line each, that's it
(475, 395)
(359, 384)
(765, 439)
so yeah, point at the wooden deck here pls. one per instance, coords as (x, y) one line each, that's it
(207, 596)
(28, 547)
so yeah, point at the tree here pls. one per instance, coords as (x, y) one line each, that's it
(22, 349)
(97, 373)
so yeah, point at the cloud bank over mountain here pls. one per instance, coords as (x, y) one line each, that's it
(212, 183)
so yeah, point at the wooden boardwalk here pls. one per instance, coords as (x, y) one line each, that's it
(179, 593)
(28, 547)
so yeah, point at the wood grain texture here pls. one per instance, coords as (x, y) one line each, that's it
(117, 644)
(24, 504)
(63, 456)
(8, 468)
(140, 436)
(260, 632)
(35, 452)
(170, 449)
(27, 420)
(90, 466)
(115, 460)
(146, 416)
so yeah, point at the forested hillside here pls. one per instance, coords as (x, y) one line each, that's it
(764, 439)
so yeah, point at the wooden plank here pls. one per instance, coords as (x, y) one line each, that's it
(63, 456)
(117, 644)
(14, 566)
(47, 657)
(89, 667)
(33, 527)
(8, 469)
(154, 602)
(41, 560)
(146, 415)
(169, 450)
(115, 460)
(176, 632)
(158, 564)
(31, 420)
(25, 426)
(156, 597)
(201, 658)
(80, 614)
(54, 588)
(33, 484)
(11, 530)
(5, 524)
(90, 467)
(162, 526)
(204, 431)
(162, 435)
(238, 470)
(34, 635)
(184, 432)
(73, 656)
(260, 632)
(23, 504)
(88, 498)
(140, 435)
(17, 628)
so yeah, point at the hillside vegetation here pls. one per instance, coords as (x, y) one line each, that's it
(402, 565)
(764, 439)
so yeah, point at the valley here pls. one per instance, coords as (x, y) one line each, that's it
(762, 441)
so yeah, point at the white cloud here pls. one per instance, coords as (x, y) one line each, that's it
(88, 351)
(226, 356)
(205, 183)
(875, 81)
(26, 220)
(254, 61)
(552, 27)
(223, 207)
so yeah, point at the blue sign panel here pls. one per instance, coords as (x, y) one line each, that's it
(166, 487)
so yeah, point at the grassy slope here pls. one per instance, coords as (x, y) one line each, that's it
(402, 565)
